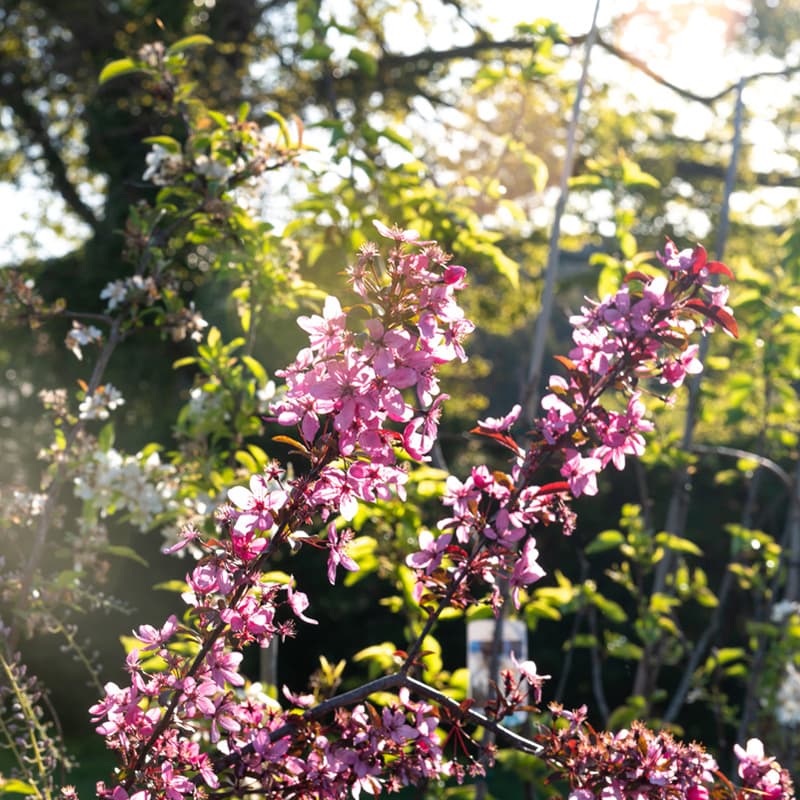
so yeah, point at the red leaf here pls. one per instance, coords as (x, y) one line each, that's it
(719, 315)
(727, 321)
(501, 438)
(718, 268)
(637, 275)
(553, 488)
(699, 258)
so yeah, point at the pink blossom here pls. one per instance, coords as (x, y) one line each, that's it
(501, 424)
(155, 638)
(675, 260)
(298, 602)
(677, 368)
(581, 472)
(326, 332)
(529, 671)
(527, 570)
(431, 552)
(337, 552)
(396, 233)
(257, 505)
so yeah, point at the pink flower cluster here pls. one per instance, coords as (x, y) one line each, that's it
(762, 776)
(259, 747)
(356, 382)
(187, 725)
(632, 764)
(354, 398)
(625, 338)
(634, 335)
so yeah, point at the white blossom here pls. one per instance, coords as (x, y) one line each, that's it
(783, 610)
(211, 168)
(140, 485)
(162, 165)
(115, 292)
(98, 404)
(81, 335)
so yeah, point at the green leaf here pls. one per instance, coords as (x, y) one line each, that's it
(538, 609)
(115, 69)
(276, 576)
(506, 266)
(59, 439)
(246, 460)
(727, 654)
(394, 136)
(610, 279)
(220, 119)
(627, 244)
(172, 586)
(609, 608)
(661, 603)
(585, 182)
(620, 646)
(283, 126)
(706, 598)
(167, 142)
(188, 42)
(634, 175)
(678, 544)
(122, 551)
(622, 716)
(383, 653)
(605, 540)
(259, 455)
(16, 786)
(581, 640)
(365, 62)
(213, 338)
(318, 52)
(255, 367)
(105, 441)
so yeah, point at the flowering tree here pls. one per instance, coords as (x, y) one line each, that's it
(363, 402)
(359, 399)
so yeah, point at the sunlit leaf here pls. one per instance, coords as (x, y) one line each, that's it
(196, 40)
(115, 69)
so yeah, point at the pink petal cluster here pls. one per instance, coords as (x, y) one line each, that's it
(357, 751)
(632, 764)
(487, 508)
(636, 335)
(762, 776)
(357, 397)
(354, 398)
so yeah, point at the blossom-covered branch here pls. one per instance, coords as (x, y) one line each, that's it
(360, 399)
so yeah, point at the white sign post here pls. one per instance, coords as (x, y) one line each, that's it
(480, 636)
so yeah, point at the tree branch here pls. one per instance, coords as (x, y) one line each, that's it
(36, 129)
(396, 680)
(687, 94)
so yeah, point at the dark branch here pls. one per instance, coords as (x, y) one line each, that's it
(36, 129)
(687, 94)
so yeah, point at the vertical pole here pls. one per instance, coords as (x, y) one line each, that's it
(530, 392)
(679, 501)
(268, 667)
